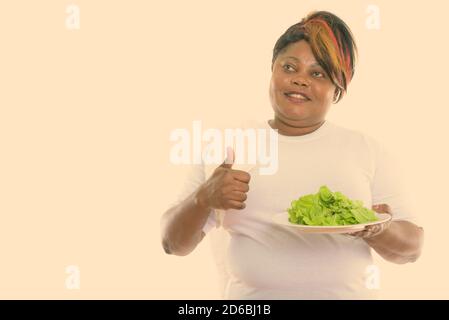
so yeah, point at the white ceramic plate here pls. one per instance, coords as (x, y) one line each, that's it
(282, 219)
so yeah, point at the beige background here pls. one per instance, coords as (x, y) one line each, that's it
(85, 117)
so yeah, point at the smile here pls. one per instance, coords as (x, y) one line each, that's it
(296, 98)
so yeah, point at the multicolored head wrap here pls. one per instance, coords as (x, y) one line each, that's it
(332, 44)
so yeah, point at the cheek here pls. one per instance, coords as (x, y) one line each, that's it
(271, 89)
(324, 93)
(275, 85)
(278, 84)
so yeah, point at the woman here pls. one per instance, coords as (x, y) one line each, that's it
(313, 63)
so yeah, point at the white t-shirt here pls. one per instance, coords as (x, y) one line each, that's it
(261, 260)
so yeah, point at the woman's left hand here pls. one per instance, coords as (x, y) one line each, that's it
(374, 230)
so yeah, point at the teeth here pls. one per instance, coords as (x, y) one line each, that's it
(297, 96)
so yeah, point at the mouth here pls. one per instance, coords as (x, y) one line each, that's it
(296, 97)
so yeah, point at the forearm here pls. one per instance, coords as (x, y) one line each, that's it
(400, 243)
(182, 225)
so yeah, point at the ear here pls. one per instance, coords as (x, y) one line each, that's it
(337, 94)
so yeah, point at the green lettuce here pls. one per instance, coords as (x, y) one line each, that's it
(327, 208)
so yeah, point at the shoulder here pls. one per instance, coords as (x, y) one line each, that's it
(361, 143)
(355, 137)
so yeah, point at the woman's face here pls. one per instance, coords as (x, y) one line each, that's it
(295, 71)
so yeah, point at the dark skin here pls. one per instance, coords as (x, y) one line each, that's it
(296, 68)
(225, 189)
(398, 241)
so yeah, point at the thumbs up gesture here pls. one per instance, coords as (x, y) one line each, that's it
(226, 188)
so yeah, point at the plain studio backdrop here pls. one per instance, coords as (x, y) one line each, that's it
(91, 92)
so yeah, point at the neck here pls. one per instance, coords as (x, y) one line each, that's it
(288, 129)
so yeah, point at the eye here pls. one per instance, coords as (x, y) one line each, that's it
(287, 66)
(318, 74)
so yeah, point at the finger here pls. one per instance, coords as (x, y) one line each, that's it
(388, 209)
(358, 234)
(233, 204)
(363, 234)
(238, 196)
(378, 229)
(354, 234)
(230, 156)
(382, 208)
(240, 186)
(371, 228)
(242, 176)
(370, 231)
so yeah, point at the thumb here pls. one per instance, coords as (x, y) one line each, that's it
(229, 161)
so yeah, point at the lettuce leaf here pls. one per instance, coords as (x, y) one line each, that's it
(327, 208)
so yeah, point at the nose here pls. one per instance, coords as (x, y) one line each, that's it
(300, 81)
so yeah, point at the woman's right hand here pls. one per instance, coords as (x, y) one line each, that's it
(226, 188)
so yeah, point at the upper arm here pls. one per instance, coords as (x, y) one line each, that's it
(388, 185)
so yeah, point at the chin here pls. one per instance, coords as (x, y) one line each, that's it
(293, 114)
